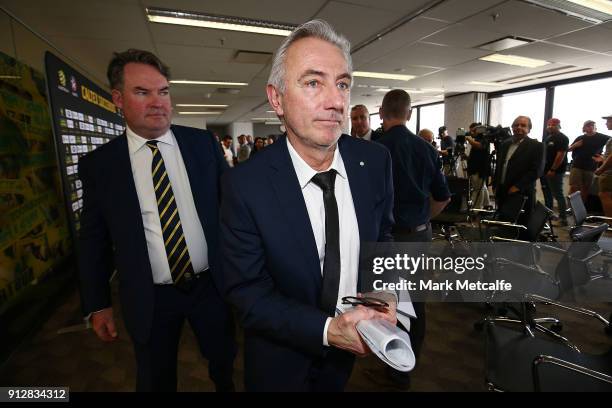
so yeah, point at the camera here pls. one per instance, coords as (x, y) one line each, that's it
(494, 134)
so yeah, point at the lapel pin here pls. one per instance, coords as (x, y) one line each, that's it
(361, 164)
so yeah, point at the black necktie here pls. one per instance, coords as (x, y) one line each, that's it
(331, 263)
(172, 230)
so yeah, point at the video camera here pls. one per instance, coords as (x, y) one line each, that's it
(494, 134)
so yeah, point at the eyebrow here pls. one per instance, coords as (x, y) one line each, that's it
(140, 88)
(309, 72)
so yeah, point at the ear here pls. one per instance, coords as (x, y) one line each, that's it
(117, 98)
(409, 115)
(275, 98)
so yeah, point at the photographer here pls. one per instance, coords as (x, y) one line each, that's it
(478, 165)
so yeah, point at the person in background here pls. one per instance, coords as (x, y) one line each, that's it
(605, 174)
(584, 151)
(556, 145)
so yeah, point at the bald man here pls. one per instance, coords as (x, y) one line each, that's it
(520, 163)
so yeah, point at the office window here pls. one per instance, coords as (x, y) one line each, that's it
(375, 121)
(578, 102)
(432, 117)
(505, 109)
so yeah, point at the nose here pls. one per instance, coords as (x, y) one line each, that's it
(335, 98)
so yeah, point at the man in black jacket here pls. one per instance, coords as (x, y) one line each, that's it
(520, 163)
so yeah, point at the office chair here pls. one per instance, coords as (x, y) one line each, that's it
(581, 218)
(457, 211)
(518, 362)
(494, 222)
(574, 270)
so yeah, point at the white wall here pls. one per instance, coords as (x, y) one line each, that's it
(240, 128)
(191, 121)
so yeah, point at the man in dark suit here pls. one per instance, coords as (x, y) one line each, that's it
(291, 237)
(520, 162)
(151, 211)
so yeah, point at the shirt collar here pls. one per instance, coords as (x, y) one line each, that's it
(305, 172)
(136, 142)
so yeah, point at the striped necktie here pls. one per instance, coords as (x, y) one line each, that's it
(172, 230)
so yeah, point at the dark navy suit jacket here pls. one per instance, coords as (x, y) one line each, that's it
(271, 271)
(112, 231)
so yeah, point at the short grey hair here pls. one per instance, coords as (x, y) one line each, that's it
(314, 28)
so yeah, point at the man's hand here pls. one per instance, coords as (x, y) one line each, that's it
(389, 312)
(104, 324)
(342, 332)
(513, 190)
(599, 171)
(551, 173)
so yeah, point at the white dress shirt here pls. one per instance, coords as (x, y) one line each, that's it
(141, 158)
(367, 136)
(349, 229)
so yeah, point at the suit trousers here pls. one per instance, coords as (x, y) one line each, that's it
(212, 323)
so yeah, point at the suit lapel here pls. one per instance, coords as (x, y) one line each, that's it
(356, 170)
(197, 166)
(287, 189)
(124, 192)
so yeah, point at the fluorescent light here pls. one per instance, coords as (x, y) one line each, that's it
(194, 19)
(199, 113)
(382, 75)
(195, 105)
(184, 81)
(272, 123)
(270, 111)
(515, 60)
(483, 83)
(10, 77)
(262, 119)
(604, 6)
(383, 89)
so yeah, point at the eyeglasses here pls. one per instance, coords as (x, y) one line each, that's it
(364, 301)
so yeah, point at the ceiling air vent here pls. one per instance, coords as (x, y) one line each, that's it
(252, 57)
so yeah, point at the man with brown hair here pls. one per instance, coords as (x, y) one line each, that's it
(151, 211)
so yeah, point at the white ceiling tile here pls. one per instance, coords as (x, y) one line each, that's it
(456, 10)
(548, 52)
(594, 39)
(406, 34)
(363, 22)
(436, 55)
(525, 20)
(404, 7)
(463, 36)
(205, 37)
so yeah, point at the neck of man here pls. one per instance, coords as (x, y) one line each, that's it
(317, 157)
(149, 134)
(364, 133)
(389, 123)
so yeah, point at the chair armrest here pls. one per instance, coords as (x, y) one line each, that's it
(544, 359)
(503, 224)
(598, 218)
(580, 310)
(495, 238)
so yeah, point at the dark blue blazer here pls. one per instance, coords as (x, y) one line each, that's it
(112, 231)
(271, 271)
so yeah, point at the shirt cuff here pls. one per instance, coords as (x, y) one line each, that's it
(327, 322)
